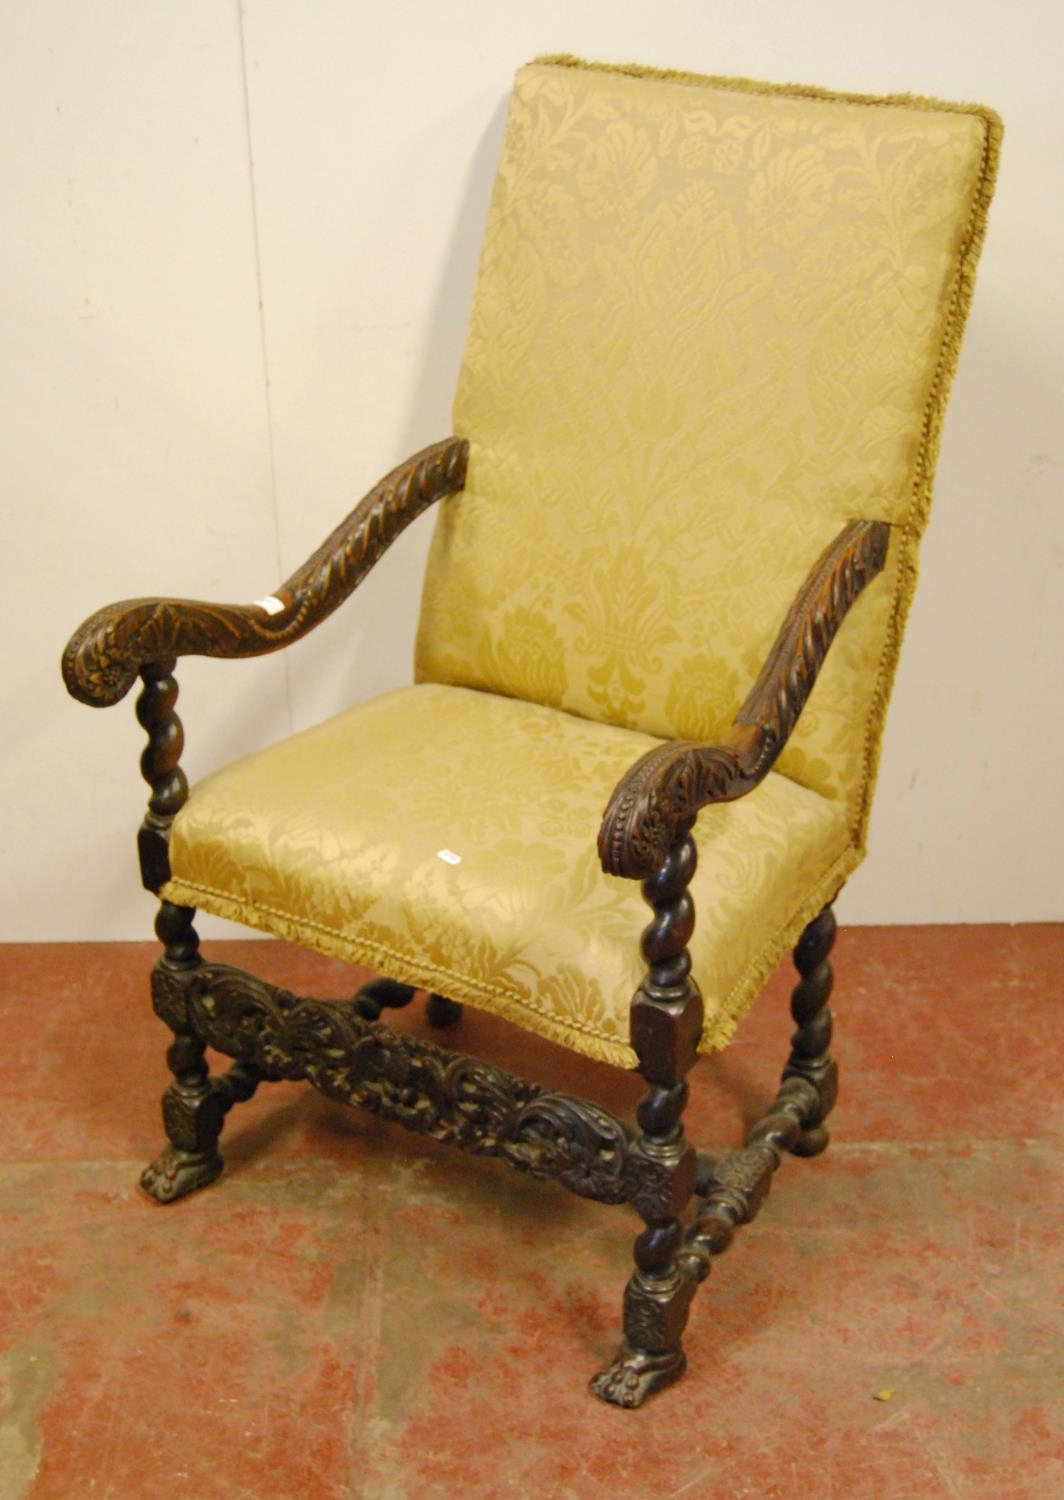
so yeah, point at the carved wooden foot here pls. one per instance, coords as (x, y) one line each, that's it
(193, 1114)
(175, 1173)
(441, 1012)
(194, 1110)
(810, 1058)
(636, 1374)
(655, 1314)
(195, 1104)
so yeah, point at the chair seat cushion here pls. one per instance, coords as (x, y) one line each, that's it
(446, 837)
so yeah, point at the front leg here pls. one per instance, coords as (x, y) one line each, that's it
(192, 1118)
(194, 1104)
(666, 1023)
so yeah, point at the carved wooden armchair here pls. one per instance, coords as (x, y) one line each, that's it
(696, 424)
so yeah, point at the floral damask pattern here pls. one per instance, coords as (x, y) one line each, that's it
(530, 648)
(788, 197)
(706, 326)
(617, 172)
(447, 837)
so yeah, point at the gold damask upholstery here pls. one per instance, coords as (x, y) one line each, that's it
(462, 858)
(713, 323)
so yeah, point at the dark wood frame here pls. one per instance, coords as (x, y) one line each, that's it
(343, 1049)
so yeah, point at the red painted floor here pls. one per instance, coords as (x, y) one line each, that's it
(353, 1312)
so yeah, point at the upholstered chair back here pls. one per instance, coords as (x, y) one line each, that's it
(714, 322)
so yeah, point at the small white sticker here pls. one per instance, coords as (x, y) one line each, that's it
(271, 604)
(448, 856)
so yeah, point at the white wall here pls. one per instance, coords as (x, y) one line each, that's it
(238, 249)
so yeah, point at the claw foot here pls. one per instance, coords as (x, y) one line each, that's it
(636, 1374)
(175, 1173)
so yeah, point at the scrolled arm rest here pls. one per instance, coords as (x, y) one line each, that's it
(105, 654)
(667, 787)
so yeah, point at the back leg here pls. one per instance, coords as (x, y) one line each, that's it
(442, 1012)
(810, 1057)
(389, 994)
(382, 994)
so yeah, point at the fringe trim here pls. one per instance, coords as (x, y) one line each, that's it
(912, 529)
(754, 86)
(412, 968)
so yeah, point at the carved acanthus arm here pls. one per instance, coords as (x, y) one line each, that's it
(104, 656)
(667, 787)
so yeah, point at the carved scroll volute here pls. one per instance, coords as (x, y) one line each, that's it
(665, 789)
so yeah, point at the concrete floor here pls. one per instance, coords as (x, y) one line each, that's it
(353, 1312)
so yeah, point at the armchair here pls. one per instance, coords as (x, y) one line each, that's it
(695, 433)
